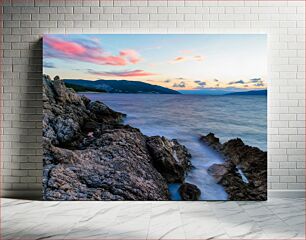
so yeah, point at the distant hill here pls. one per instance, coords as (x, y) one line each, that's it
(79, 88)
(208, 92)
(116, 86)
(216, 91)
(253, 92)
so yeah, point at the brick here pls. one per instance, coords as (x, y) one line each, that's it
(148, 24)
(121, 17)
(23, 3)
(42, 3)
(147, 9)
(40, 17)
(160, 17)
(157, 3)
(48, 10)
(129, 10)
(91, 3)
(48, 24)
(296, 186)
(81, 10)
(64, 24)
(11, 24)
(98, 24)
(176, 17)
(139, 3)
(288, 179)
(112, 9)
(140, 17)
(75, 16)
(166, 9)
(202, 10)
(26, 24)
(217, 10)
(65, 10)
(29, 10)
(21, 17)
(190, 17)
(130, 24)
(185, 9)
(92, 16)
(58, 3)
(197, 3)
(81, 24)
(96, 10)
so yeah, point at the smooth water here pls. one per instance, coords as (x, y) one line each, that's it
(186, 117)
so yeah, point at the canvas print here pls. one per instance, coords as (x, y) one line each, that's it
(154, 117)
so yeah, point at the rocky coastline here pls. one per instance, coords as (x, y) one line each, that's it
(244, 172)
(88, 154)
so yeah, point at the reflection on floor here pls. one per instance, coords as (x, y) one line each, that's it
(274, 219)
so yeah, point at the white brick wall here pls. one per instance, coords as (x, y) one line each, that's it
(24, 22)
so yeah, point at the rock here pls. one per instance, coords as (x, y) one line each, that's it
(66, 114)
(103, 113)
(67, 130)
(89, 155)
(59, 89)
(250, 160)
(116, 166)
(211, 141)
(218, 171)
(91, 126)
(189, 192)
(85, 100)
(170, 158)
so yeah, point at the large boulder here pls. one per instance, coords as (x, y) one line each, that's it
(115, 166)
(189, 192)
(169, 157)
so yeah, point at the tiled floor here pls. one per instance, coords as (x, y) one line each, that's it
(274, 219)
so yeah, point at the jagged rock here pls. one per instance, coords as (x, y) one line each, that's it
(89, 155)
(116, 166)
(103, 113)
(60, 90)
(67, 130)
(211, 141)
(189, 192)
(250, 160)
(170, 158)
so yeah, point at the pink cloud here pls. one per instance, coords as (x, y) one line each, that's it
(64, 49)
(133, 73)
(131, 55)
(69, 48)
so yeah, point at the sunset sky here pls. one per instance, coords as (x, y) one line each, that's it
(176, 61)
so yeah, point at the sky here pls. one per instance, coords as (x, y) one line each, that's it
(231, 62)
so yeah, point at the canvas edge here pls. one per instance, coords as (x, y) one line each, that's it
(37, 194)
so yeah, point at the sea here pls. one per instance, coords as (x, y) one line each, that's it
(186, 118)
